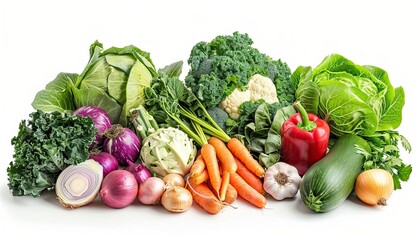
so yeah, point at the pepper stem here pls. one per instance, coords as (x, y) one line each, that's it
(305, 124)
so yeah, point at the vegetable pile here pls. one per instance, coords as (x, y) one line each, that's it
(240, 125)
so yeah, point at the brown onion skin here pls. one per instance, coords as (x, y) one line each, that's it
(177, 199)
(174, 179)
(374, 187)
(119, 189)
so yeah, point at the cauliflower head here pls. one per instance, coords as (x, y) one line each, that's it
(259, 87)
(233, 101)
(262, 88)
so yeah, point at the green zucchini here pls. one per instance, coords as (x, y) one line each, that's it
(329, 182)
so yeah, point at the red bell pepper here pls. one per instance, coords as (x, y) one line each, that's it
(304, 139)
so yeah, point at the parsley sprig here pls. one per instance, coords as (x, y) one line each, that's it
(385, 154)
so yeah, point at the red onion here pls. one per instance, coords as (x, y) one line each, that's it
(119, 189)
(109, 163)
(141, 173)
(100, 119)
(122, 143)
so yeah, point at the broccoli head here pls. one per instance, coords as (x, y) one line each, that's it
(219, 116)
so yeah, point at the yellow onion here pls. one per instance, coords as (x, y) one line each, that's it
(174, 179)
(177, 199)
(374, 186)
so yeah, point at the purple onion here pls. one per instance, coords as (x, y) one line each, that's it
(119, 189)
(122, 143)
(139, 170)
(100, 119)
(109, 163)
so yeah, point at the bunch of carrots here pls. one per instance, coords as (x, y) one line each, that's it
(221, 172)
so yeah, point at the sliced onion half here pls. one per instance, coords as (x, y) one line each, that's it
(79, 185)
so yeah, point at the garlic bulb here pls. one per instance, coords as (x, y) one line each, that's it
(281, 181)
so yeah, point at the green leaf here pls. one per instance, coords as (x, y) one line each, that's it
(404, 142)
(273, 138)
(346, 109)
(336, 63)
(392, 117)
(368, 165)
(96, 77)
(172, 70)
(138, 54)
(176, 89)
(307, 92)
(301, 74)
(139, 79)
(308, 95)
(267, 160)
(94, 51)
(393, 161)
(57, 95)
(122, 62)
(382, 75)
(117, 84)
(397, 182)
(97, 98)
(362, 83)
(257, 145)
(362, 151)
(248, 130)
(391, 148)
(404, 172)
(262, 117)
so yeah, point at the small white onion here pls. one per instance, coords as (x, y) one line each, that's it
(151, 190)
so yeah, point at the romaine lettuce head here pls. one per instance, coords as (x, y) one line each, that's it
(168, 150)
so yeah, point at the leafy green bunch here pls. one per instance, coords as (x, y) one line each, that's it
(171, 103)
(45, 145)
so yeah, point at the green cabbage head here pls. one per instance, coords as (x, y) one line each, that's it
(168, 150)
(352, 98)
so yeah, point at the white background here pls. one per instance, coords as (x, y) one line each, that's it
(39, 39)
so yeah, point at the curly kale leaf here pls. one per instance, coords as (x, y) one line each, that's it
(45, 145)
(228, 62)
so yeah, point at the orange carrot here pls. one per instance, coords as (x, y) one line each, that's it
(231, 194)
(250, 177)
(205, 198)
(201, 177)
(212, 166)
(225, 184)
(223, 154)
(198, 166)
(246, 191)
(239, 150)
